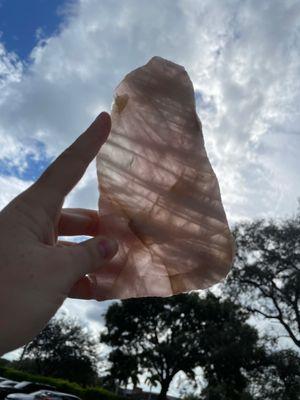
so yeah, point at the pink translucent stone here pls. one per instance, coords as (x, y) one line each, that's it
(158, 190)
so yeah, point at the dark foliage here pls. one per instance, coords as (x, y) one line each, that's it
(164, 336)
(62, 350)
(266, 274)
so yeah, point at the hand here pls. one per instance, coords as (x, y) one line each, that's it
(37, 273)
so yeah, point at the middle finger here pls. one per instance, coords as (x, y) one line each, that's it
(78, 221)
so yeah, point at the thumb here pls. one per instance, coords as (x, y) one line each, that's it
(90, 255)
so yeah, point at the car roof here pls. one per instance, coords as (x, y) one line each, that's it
(45, 385)
(57, 393)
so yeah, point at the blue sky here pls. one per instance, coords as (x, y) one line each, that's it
(32, 165)
(22, 22)
(58, 70)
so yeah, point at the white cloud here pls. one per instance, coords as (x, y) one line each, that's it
(242, 57)
(90, 310)
(253, 89)
(10, 69)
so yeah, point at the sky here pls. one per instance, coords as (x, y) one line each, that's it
(61, 60)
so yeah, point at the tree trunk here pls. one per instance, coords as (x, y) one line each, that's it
(23, 352)
(164, 389)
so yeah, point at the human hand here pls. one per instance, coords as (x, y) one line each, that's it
(37, 272)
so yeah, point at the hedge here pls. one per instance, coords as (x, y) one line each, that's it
(62, 385)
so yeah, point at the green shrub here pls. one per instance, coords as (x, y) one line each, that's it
(4, 362)
(62, 385)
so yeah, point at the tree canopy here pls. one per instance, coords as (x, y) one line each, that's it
(266, 274)
(63, 350)
(162, 336)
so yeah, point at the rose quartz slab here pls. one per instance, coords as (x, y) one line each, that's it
(158, 192)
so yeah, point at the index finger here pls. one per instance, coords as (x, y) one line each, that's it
(63, 174)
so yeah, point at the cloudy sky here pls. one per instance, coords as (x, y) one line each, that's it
(60, 61)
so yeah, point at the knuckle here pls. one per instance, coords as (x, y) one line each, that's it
(86, 257)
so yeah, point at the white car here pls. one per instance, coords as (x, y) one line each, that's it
(42, 395)
(8, 383)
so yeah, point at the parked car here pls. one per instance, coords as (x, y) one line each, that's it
(7, 387)
(42, 395)
(24, 387)
(8, 383)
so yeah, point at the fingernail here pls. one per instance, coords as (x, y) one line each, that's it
(108, 248)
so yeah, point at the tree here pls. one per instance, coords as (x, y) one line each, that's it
(219, 391)
(122, 364)
(231, 348)
(277, 378)
(266, 274)
(63, 350)
(286, 364)
(162, 336)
